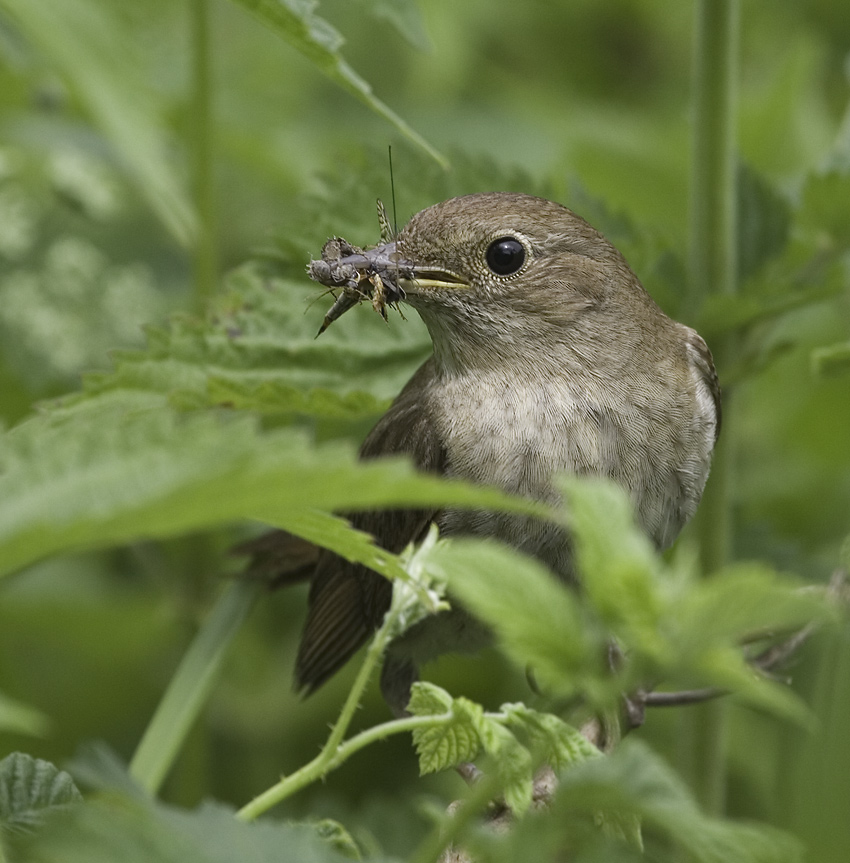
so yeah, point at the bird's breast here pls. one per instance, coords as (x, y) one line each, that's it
(519, 434)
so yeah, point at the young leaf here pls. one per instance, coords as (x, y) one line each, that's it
(538, 621)
(448, 744)
(621, 578)
(512, 762)
(555, 741)
(29, 788)
(469, 730)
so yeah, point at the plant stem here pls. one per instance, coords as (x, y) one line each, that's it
(203, 174)
(713, 268)
(188, 690)
(328, 758)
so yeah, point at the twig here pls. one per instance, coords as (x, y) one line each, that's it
(766, 662)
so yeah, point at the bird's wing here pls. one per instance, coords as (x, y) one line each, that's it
(704, 364)
(347, 601)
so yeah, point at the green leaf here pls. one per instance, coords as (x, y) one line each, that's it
(335, 835)
(264, 396)
(450, 743)
(764, 219)
(468, 731)
(622, 578)
(512, 762)
(296, 22)
(135, 831)
(556, 742)
(99, 476)
(258, 352)
(538, 624)
(29, 788)
(21, 718)
(635, 782)
(91, 47)
(404, 15)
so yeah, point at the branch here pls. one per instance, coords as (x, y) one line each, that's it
(775, 656)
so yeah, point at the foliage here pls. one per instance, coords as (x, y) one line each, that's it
(119, 497)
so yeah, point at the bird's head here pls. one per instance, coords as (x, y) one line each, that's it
(498, 273)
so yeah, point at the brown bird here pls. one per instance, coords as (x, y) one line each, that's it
(549, 357)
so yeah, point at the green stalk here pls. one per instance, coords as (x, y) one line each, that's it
(203, 169)
(713, 268)
(189, 688)
(329, 757)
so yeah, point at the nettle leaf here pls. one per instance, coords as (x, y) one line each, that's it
(97, 476)
(764, 220)
(556, 742)
(296, 22)
(467, 732)
(30, 788)
(715, 615)
(622, 579)
(449, 743)
(258, 351)
(512, 762)
(96, 54)
(138, 831)
(633, 782)
(538, 621)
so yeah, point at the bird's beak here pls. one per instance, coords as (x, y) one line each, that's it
(381, 274)
(390, 264)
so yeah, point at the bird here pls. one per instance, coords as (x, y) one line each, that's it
(549, 357)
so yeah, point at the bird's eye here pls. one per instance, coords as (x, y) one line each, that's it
(505, 256)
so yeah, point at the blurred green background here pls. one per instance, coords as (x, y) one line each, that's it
(101, 147)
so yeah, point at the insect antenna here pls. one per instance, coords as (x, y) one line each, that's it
(392, 189)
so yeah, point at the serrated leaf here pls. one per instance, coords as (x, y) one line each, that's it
(538, 621)
(90, 46)
(30, 787)
(633, 782)
(135, 831)
(297, 23)
(512, 762)
(258, 352)
(428, 699)
(622, 579)
(446, 744)
(98, 476)
(557, 743)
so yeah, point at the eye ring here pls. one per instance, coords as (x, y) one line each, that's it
(505, 256)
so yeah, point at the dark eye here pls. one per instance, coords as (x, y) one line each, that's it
(505, 256)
